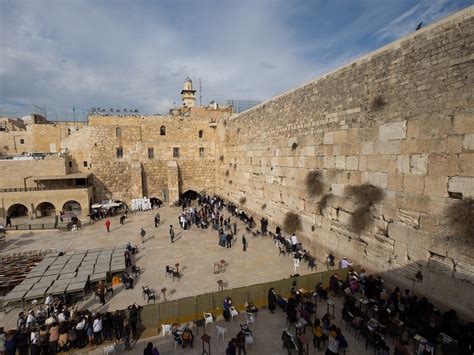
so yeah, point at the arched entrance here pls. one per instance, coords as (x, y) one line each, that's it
(17, 210)
(45, 209)
(190, 195)
(72, 206)
(155, 202)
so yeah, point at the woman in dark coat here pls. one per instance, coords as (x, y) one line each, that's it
(272, 299)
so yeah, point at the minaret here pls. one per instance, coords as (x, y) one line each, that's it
(188, 94)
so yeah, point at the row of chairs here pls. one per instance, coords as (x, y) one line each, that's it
(148, 294)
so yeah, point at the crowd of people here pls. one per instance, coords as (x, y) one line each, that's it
(56, 327)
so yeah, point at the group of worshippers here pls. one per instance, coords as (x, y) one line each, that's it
(390, 309)
(140, 204)
(56, 327)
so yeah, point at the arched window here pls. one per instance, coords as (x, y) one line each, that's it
(200, 134)
(162, 131)
(118, 132)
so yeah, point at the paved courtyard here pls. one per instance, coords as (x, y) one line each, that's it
(195, 250)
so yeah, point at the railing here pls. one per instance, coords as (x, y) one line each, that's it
(191, 308)
(35, 226)
(42, 188)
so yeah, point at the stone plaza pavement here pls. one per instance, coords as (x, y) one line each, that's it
(196, 250)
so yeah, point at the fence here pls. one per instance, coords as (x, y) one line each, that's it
(191, 308)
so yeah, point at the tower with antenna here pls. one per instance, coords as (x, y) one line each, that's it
(188, 95)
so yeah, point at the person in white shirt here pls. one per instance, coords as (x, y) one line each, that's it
(294, 242)
(31, 319)
(97, 327)
(49, 300)
(345, 263)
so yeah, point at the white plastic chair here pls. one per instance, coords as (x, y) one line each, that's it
(221, 331)
(109, 349)
(207, 318)
(249, 340)
(250, 319)
(166, 329)
(233, 312)
(296, 265)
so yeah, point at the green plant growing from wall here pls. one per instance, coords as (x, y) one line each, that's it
(294, 146)
(460, 218)
(366, 196)
(221, 158)
(242, 200)
(292, 222)
(314, 183)
(378, 102)
(324, 202)
(264, 206)
(227, 173)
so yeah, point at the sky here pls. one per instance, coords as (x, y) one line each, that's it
(56, 54)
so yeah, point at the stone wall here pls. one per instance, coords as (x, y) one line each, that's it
(15, 173)
(78, 146)
(116, 177)
(37, 137)
(400, 118)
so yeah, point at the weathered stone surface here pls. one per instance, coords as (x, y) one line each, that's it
(464, 185)
(419, 164)
(391, 131)
(468, 142)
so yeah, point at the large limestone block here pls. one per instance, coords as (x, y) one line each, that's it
(468, 141)
(413, 184)
(454, 144)
(341, 162)
(464, 185)
(340, 137)
(466, 164)
(436, 186)
(403, 164)
(393, 131)
(377, 179)
(352, 163)
(463, 123)
(443, 165)
(382, 163)
(328, 138)
(419, 164)
(387, 147)
(395, 182)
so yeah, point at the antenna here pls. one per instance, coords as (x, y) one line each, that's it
(200, 92)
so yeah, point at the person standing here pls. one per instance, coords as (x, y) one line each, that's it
(107, 225)
(272, 300)
(142, 234)
(294, 242)
(171, 233)
(128, 260)
(8, 221)
(244, 243)
(126, 334)
(235, 228)
(157, 220)
(101, 291)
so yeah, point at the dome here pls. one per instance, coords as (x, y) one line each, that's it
(188, 80)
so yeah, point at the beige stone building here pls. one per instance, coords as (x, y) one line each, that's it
(376, 160)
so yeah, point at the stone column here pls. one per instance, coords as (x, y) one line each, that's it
(173, 181)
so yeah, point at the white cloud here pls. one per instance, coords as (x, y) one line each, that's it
(113, 54)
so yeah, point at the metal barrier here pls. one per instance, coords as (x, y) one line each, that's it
(187, 309)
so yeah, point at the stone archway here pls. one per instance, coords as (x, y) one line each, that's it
(72, 206)
(45, 209)
(190, 194)
(17, 210)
